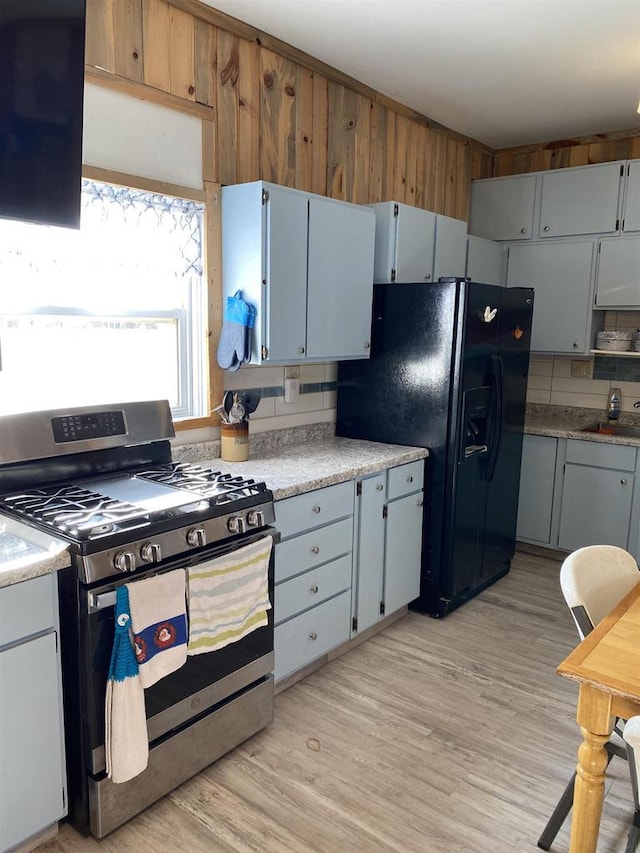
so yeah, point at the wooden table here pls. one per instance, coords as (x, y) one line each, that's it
(607, 665)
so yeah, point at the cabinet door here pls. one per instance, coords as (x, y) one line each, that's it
(618, 277)
(403, 552)
(502, 208)
(485, 261)
(560, 273)
(596, 507)
(631, 214)
(450, 254)
(31, 763)
(286, 274)
(340, 279)
(415, 239)
(370, 552)
(580, 201)
(537, 475)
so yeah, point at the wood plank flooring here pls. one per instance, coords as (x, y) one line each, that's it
(434, 736)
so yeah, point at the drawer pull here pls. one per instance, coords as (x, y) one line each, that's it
(313, 588)
(623, 481)
(313, 636)
(409, 479)
(315, 549)
(379, 487)
(315, 508)
(419, 503)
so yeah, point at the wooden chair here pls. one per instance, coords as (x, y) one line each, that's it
(593, 580)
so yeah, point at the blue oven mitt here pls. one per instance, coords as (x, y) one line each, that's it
(234, 346)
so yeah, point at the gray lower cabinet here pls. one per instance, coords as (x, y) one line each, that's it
(597, 495)
(537, 484)
(313, 565)
(32, 769)
(388, 543)
(576, 493)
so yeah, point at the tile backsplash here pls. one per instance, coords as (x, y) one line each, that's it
(553, 379)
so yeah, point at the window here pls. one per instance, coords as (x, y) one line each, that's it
(113, 312)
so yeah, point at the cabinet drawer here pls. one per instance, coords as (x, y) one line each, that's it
(312, 634)
(312, 588)
(618, 456)
(303, 512)
(27, 608)
(312, 549)
(405, 479)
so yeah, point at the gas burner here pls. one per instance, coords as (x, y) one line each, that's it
(218, 487)
(81, 513)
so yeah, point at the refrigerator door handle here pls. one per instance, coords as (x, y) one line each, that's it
(498, 414)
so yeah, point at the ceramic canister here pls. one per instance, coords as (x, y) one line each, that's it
(234, 442)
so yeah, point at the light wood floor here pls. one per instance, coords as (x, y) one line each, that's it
(452, 735)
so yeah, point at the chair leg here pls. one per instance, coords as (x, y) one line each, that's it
(558, 817)
(565, 803)
(634, 834)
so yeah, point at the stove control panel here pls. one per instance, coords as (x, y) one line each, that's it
(81, 427)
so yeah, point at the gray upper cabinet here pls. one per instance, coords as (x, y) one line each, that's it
(306, 263)
(561, 274)
(631, 210)
(485, 260)
(450, 253)
(414, 245)
(583, 200)
(618, 276)
(502, 208)
(405, 243)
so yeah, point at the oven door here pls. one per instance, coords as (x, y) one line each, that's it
(178, 699)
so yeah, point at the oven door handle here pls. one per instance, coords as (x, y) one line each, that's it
(101, 600)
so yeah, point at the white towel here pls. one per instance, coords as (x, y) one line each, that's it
(126, 738)
(228, 597)
(159, 623)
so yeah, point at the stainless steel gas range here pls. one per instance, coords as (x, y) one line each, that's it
(103, 479)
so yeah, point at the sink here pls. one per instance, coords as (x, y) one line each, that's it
(608, 428)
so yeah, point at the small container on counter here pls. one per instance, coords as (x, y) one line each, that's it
(234, 442)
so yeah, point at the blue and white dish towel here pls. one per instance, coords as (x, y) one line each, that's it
(159, 624)
(126, 738)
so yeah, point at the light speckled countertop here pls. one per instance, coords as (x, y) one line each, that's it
(567, 422)
(27, 553)
(299, 468)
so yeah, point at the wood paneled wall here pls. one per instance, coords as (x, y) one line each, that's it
(275, 114)
(600, 148)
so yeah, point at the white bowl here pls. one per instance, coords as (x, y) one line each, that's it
(613, 346)
(619, 335)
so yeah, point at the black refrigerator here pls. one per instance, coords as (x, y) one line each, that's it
(448, 371)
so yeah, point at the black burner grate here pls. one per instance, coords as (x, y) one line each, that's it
(218, 487)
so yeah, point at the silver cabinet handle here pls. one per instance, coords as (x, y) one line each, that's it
(419, 503)
(427, 276)
(523, 230)
(301, 350)
(315, 508)
(313, 636)
(313, 588)
(366, 344)
(409, 479)
(315, 549)
(623, 481)
(379, 487)
(546, 228)
(575, 344)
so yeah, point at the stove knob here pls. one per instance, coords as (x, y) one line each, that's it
(237, 524)
(196, 537)
(255, 518)
(125, 561)
(151, 552)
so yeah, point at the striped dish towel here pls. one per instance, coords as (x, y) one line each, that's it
(228, 597)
